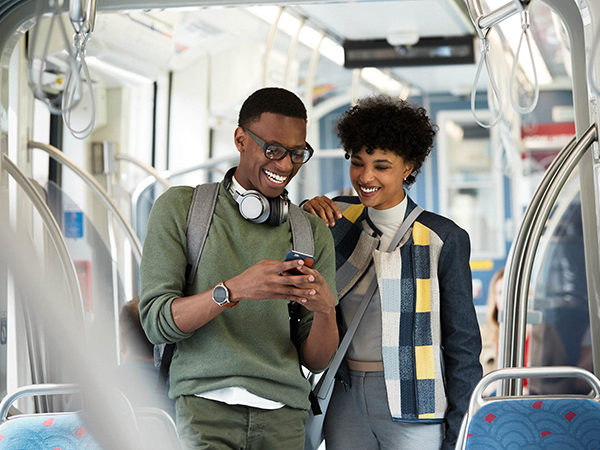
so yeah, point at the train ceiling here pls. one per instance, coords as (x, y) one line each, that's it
(148, 42)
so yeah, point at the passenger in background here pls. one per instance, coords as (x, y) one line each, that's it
(491, 328)
(414, 360)
(543, 345)
(236, 372)
(137, 374)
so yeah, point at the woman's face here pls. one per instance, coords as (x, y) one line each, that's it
(378, 178)
(498, 292)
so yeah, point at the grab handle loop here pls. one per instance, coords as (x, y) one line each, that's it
(591, 63)
(63, 100)
(72, 95)
(484, 60)
(73, 89)
(42, 89)
(513, 76)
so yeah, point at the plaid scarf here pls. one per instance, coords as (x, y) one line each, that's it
(410, 303)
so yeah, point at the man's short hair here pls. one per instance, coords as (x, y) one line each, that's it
(131, 328)
(271, 100)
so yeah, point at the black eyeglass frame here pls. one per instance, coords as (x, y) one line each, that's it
(290, 151)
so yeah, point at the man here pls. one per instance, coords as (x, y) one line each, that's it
(236, 372)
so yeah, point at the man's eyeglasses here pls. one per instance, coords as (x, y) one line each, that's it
(278, 152)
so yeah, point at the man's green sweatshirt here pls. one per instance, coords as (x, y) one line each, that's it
(247, 346)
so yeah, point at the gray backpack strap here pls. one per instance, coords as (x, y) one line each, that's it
(302, 235)
(198, 223)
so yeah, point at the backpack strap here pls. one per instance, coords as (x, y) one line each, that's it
(302, 235)
(198, 223)
(302, 241)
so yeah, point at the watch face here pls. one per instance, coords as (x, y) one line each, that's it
(220, 294)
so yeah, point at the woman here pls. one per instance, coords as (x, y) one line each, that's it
(491, 329)
(543, 346)
(414, 360)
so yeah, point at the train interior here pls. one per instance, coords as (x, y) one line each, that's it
(100, 116)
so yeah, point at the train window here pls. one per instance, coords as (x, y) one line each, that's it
(469, 179)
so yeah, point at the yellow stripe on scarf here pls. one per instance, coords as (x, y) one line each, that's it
(353, 212)
(424, 362)
(420, 234)
(423, 295)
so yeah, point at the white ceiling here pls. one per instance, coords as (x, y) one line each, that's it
(177, 37)
(375, 19)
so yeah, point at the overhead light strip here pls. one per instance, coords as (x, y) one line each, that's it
(328, 48)
(308, 35)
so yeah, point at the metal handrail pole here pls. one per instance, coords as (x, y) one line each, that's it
(292, 54)
(208, 164)
(136, 246)
(522, 254)
(477, 399)
(35, 390)
(66, 262)
(483, 21)
(270, 42)
(589, 137)
(495, 17)
(147, 182)
(146, 167)
(52, 227)
(475, 11)
(513, 266)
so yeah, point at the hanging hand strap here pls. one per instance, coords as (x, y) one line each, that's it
(513, 76)
(484, 60)
(326, 382)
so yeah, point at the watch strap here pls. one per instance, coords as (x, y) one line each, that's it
(227, 303)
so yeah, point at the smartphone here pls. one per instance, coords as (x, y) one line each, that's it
(292, 255)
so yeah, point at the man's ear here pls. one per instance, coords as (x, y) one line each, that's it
(240, 138)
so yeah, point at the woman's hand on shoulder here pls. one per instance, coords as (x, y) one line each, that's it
(325, 208)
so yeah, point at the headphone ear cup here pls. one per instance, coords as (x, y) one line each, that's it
(279, 210)
(274, 216)
(254, 206)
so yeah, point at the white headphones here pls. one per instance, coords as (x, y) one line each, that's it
(256, 207)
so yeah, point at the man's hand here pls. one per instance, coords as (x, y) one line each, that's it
(320, 298)
(270, 279)
(325, 208)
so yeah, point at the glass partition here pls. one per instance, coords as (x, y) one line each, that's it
(471, 190)
(558, 329)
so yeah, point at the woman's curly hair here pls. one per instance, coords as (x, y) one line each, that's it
(388, 124)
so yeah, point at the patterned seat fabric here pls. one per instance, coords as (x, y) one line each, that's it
(530, 424)
(46, 432)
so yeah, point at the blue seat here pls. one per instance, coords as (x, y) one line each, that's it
(64, 431)
(70, 430)
(532, 422)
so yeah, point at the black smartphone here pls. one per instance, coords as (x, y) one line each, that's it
(292, 255)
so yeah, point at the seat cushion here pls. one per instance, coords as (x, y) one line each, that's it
(51, 432)
(530, 424)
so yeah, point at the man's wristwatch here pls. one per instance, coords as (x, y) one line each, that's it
(220, 295)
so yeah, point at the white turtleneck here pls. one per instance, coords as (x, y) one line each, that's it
(388, 221)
